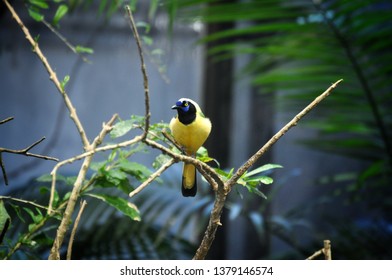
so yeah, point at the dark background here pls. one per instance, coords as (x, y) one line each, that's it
(329, 188)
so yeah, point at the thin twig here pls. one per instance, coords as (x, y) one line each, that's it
(223, 191)
(24, 201)
(279, 134)
(6, 120)
(24, 152)
(152, 177)
(315, 254)
(3, 170)
(143, 69)
(52, 75)
(75, 226)
(171, 139)
(64, 40)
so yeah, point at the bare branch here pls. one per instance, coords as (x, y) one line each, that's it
(52, 75)
(24, 201)
(212, 227)
(75, 226)
(208, 172)
(222, 192)
(171, 139)
(152, 177)
(143, 69)
(278, 135)
(3, 170)
(64, 40)
(24, 152)
(6, 120)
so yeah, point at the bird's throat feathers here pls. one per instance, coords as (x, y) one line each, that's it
(186, 117)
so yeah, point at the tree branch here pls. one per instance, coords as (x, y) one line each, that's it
(222, 193)
(65, 222)
(24, 152)
(208, 172)
(72, 237)
(143, 69)
(52, 75)
(6, 120)
(152, 177)
(24, 201)
(278, 135)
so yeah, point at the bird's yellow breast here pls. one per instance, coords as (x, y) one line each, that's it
(192, 136)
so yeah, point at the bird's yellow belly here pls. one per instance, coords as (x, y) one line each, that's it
(191, 137)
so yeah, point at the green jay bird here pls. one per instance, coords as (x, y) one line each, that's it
(190, 129)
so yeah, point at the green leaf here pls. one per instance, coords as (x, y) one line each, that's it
(263, 168)
(5, 220)
(102, 6)
(64, 82)
(202, 155)
(224, 174)
(147, 40)
(46, 190)
(98, 165)
(47, 178)
(39, 3)
(121, 128)
(81, 49)
(160, 160)
(145, 25)
(137, 170)
(35, 217)
(256, 191)
(124, 206)
(37, 16)
(60, 13)
(153, 9)
(157, 52)
(259, 179)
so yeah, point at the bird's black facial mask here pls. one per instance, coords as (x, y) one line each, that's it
(186, 111)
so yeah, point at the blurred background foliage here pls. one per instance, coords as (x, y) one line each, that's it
(297, 49)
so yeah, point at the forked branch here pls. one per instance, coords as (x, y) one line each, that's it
(222, 193)
(24, 152)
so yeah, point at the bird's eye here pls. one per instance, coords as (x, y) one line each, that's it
(185, 104)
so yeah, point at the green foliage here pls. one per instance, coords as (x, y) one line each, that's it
(64, 82)
(5, 221)
(253, 179)
(61, 11)
(159, 222)
(127, 208)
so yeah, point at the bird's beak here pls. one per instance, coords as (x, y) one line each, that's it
(175, 107)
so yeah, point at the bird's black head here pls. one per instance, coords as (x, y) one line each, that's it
(186, 110)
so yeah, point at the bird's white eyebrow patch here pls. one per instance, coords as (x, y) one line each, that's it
(186, 100)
